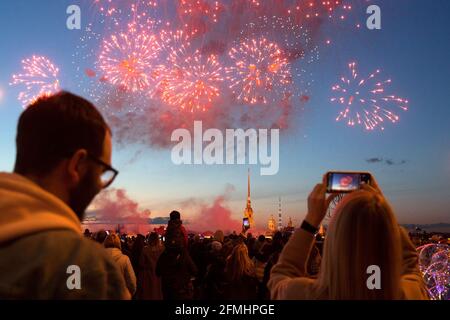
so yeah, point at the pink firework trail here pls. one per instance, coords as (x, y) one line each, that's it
(198, 16)
(259, 73)
(208, 9)
(128, 59)
(39, 78)
(365, 101)
(192, 82)
(106, 7)
(318, 9)
(112, 7)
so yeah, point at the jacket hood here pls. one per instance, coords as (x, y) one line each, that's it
(115, 253)
(26, 208)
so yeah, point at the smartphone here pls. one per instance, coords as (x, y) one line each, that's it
(246, 223)
(346, 182)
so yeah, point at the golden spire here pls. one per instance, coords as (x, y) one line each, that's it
(248, 213)
(249, 203)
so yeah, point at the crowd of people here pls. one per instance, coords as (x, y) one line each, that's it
(63, 161)
(220, 267)
(181, 266)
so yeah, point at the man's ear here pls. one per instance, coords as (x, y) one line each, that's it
(76, 166)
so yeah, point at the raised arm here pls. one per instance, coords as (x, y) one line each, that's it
(293, 259)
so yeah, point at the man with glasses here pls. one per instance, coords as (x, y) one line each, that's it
(63, 161)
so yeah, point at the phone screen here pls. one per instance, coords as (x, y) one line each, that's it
(344, 182)
(246, 223)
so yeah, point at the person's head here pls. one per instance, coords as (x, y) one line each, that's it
(138, 244)
(216, 247)
(277, 241)
(175, 215)
(153, 239)
(239, 263)
(113, 241)
(101, 236)
(261, 238)
(362, 233)
(219, 236)
(64, 145)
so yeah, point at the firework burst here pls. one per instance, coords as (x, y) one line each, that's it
(296, 43)
(365, 100)
(259, 73)
(192, 82)
(128, 59)
(172, 44)
(39, 78)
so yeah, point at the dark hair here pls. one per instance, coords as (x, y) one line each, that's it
(175, 215)
(101, 236)
(153, 238)
(52, 127)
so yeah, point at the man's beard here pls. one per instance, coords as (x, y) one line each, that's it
(82, 195)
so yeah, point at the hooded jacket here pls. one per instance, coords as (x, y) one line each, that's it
(125, 267)
(42, 249)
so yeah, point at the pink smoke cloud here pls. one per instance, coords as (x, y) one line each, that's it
(211, 217)
(113, 208)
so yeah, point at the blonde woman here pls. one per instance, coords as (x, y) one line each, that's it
(113, 246)
(240, 273)
(362, 233)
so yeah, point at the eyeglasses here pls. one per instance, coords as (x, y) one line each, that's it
(109, 174)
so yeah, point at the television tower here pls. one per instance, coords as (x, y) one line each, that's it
(280, 222)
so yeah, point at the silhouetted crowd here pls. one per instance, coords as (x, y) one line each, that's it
(181, 266)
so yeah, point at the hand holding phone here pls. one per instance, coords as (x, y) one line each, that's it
(346, 182)
(245, 224)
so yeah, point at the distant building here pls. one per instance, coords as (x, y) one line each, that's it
(290, 227)
(271, 225)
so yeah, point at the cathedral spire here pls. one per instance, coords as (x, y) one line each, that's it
(248, 213)
(248, 188)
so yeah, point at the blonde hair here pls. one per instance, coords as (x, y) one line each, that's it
(363, 232)
(218, 235)
(239, 263)
(112, 241)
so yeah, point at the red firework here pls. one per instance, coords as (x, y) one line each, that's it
(260, 72)
(365, 100)
(192, 82)
(197, 15)
(128, 59)
(39, 78)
